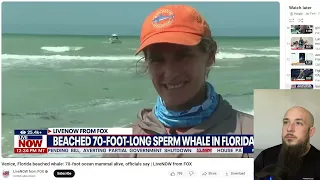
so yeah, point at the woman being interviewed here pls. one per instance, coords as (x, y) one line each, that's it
(178, 48)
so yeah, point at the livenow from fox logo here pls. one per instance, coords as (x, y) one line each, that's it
(30, 142)
(5, 173)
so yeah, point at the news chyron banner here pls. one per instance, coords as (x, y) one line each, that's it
(121, 140)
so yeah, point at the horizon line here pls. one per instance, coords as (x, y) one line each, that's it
(44, 34)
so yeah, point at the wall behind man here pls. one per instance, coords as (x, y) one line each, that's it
(269, 109)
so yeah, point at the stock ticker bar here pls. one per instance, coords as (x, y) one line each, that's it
(121, 140)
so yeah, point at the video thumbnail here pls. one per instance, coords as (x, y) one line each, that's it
(301, 29)
(301, 43)
(301, 59)
(302, 86)
(301, 74)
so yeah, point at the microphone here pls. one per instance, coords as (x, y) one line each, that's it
(273, 172)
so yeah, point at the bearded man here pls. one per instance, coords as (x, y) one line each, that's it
(295, 158)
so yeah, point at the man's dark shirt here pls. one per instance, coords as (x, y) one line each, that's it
(310, 169)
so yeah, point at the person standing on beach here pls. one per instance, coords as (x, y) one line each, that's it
(179, 50)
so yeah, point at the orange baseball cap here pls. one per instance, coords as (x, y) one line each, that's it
(176, 24)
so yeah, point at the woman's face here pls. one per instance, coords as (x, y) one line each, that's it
(177, 72)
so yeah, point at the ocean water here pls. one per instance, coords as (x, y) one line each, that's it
(82, 81)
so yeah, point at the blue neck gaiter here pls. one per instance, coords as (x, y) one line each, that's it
(189, 118)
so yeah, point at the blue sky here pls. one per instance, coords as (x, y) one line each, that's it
(125, 18)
